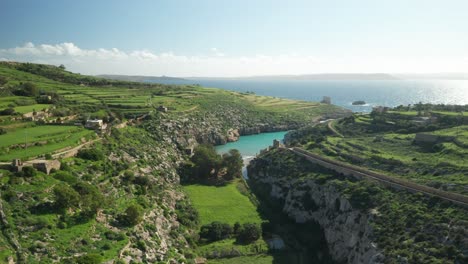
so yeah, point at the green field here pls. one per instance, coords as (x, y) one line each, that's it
(224, 204)
(40, 140)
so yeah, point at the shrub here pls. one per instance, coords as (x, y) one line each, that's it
(89, 259)
(65, 197)
(29, 172)
(90, 154)
(114, 235)
(65, 177)
(133, 215)
(8, 111)
(248, 233)
(216, 231)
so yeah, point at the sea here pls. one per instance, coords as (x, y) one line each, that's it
(344, 92)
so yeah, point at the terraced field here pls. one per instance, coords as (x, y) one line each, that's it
(28, 142)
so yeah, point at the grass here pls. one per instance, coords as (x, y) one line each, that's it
(442, 166)
(31, 108)
(34, 134)
(42, 140)
(225, 204)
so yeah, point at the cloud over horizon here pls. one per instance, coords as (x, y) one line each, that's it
(216, 63)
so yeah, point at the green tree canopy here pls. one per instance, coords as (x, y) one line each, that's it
(133, 215)
(233, 163)
(205, 160)
(66, 197)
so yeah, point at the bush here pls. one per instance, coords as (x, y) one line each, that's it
(65, 197)
(216, 231)
(8, 111)
(90, 154)
(110, 235)
(29, 172)
(65, 177)
(248, 233)
(89, 259)
(133, 215)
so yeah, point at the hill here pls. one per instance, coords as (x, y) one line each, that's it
(115, 195)
(139, 78)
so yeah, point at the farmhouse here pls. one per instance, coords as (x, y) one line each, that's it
(41, 165)
(96, 124)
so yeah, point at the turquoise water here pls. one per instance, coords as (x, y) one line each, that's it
(249, 146)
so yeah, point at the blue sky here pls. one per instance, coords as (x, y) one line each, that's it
(230, 38)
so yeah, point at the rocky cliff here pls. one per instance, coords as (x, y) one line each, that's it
(362, 221)
(347, 230)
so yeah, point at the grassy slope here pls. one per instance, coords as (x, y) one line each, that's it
(224, 204)
(425, 165)
(227, 204)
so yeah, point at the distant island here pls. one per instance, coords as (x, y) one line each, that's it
(359, 102)
(140, 78)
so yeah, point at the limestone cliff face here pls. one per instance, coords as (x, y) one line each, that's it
(347, 230)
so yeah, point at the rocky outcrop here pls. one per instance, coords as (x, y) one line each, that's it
(233, 135)
(347, 230)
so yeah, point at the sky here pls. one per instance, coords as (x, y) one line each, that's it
(237, 38)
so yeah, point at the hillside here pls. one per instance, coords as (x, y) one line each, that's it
(139, 78)
(367, 219)
(115, 195)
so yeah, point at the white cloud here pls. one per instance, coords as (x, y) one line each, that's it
(217, 63)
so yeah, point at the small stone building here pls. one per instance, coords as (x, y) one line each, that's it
(326, 100)
(96, 124)
(41, 165)
(276, 143)
(162, 108)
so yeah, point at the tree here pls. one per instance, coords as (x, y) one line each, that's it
(233, 163)
(30, 89)
(216, 231)
(66, 197)
(248, 233)
(90, 154)
(3, 80)
(29, 172)
(133, 215)
(91, 198)
(205, 160)
(62, 67)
